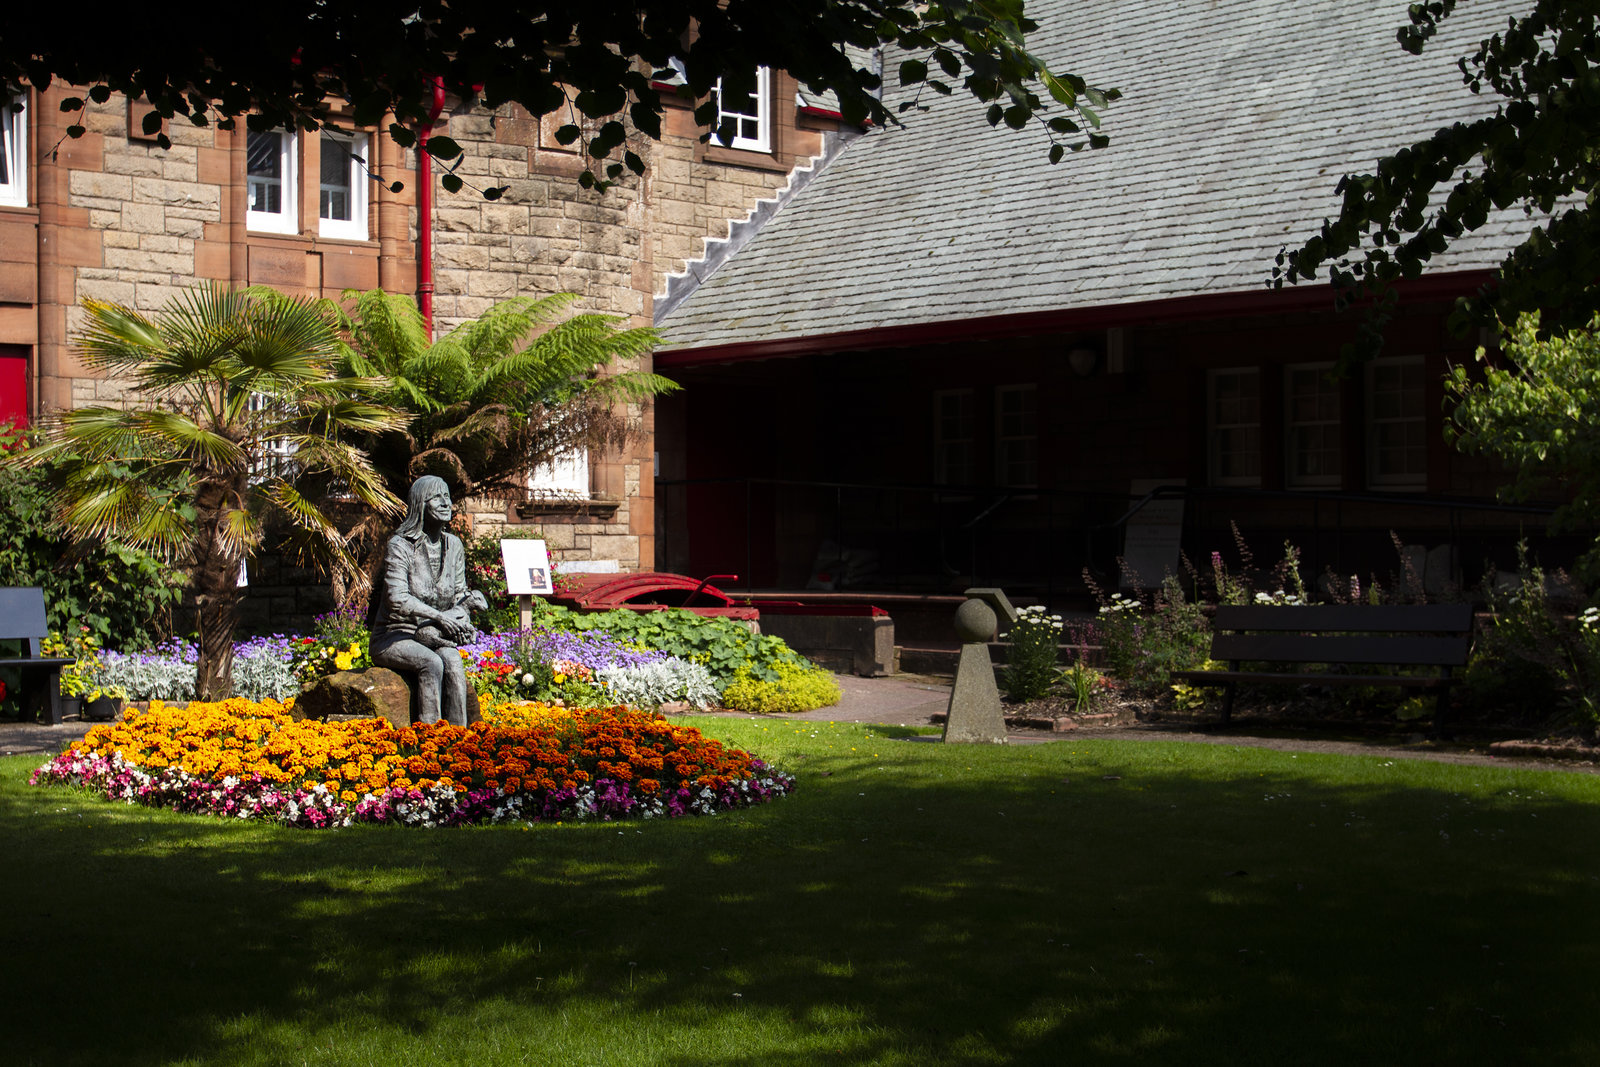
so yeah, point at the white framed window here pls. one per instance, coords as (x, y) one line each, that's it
(342, 186)
(14, 150)
(276, 458)
(270, 181)
(1016, 434)
(1311, 426)
(750, 116)
(565, 477)
(1397, 424)
(1233, 405)
(953, 437)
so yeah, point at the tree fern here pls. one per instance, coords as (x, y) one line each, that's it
(498, 396)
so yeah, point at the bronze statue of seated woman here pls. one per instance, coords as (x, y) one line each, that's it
(421, 610)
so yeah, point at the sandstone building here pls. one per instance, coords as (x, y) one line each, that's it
(111, 215)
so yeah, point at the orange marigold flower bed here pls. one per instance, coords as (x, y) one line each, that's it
(525, 761)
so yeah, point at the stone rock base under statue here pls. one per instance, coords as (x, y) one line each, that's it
(374, 692)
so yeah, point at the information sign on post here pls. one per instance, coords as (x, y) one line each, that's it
(527, 563)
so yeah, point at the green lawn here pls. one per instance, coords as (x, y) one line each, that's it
(913, 903)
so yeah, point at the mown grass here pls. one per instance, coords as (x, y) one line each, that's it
(913, 903)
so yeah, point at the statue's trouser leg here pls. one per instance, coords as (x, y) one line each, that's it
(453, 685)
(399, 652)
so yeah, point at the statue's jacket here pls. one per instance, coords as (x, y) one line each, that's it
(410, 592)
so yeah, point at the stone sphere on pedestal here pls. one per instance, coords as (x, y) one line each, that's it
(975, 622)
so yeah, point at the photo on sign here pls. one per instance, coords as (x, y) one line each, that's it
(527, 563)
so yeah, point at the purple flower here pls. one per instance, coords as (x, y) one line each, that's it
(592, 648)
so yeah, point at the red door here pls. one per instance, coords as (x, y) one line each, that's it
(13, 384)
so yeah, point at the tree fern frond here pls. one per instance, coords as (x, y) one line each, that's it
(632, 387)
(442, 462)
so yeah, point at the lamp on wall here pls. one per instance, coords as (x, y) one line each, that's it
(1083, 361)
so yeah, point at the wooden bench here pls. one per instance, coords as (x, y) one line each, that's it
(22, 621)
(1395, 635)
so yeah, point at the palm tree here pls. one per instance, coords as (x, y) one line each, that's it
(239, 417)
(487, 406)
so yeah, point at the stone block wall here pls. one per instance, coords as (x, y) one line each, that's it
(114, 217)
(546, 234)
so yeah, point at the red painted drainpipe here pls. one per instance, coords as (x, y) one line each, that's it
(425, 211)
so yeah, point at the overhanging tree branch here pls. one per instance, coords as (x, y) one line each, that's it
(538, 53)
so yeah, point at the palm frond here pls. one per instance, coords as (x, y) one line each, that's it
(569, 351)
(350, 467)
(316, 540)
(169, 438)
(96, 508)
(500, 331)
(443, 374)
(288, 339)
(116, 337)
(237, 531)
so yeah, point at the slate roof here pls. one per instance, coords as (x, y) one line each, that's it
(1238, 118)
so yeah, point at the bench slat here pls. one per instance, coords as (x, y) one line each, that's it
(1342, 648)
(22, 613)
(1348, 618)
(1221, 678)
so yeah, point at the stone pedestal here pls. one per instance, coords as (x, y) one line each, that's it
(975, 699)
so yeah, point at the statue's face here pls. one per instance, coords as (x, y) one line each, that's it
(438, 507)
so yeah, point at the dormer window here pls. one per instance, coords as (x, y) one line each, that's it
(747, 116)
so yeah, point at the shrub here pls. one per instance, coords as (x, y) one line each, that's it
(1084, 684)
(1536, 656)
(1031, 659)
(724, 646)
(82, 646)
(666, 681)
(1142, 648)
(340, 641)
(1186, 697)
(548, 665)
(523, 672)
(165, 672)
(796, 688)
(120, 593)
(262, 670)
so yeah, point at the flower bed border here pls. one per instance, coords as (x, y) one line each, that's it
(617, 791)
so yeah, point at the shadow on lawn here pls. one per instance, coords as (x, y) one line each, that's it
(1143, 905)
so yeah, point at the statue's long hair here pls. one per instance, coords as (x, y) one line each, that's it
(423, 490)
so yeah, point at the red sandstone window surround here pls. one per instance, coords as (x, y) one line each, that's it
(13, 152)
